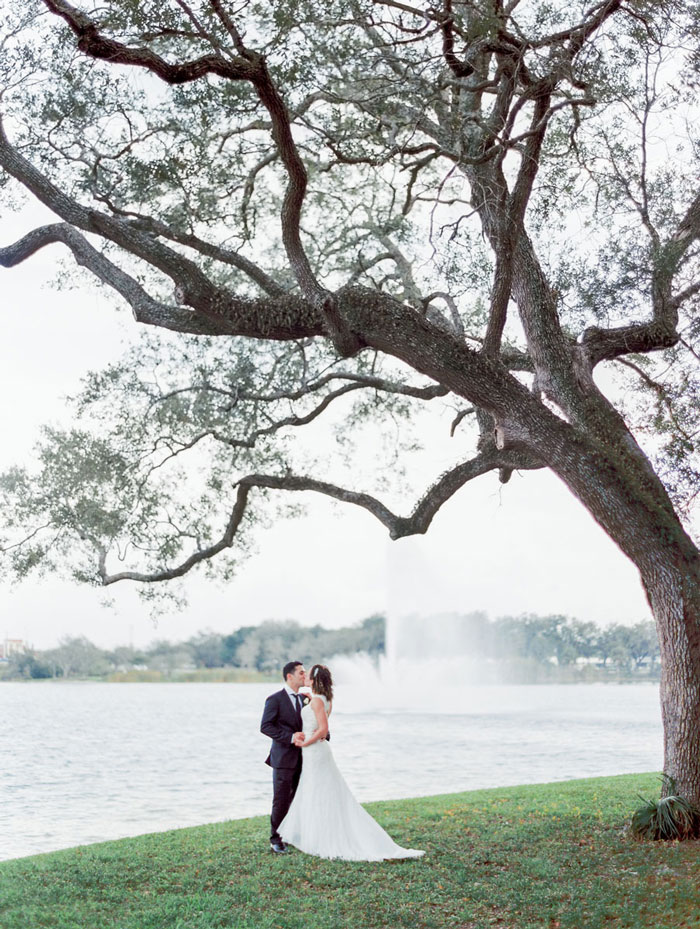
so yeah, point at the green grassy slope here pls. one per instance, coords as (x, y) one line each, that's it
(552, 856)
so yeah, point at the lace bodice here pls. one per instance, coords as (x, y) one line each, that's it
(308, 717)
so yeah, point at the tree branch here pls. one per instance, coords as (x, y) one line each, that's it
(516, 206)
(399, 526)
(146, 310)
(578, 34)
(217, 252)
(661, 330)
(378, 320)
(429, 392)
(292, 420)
(445, 20)
(357, 382)
(660, 391)
(222, 313)
(196, 287)
(688, 230)
(249, 66)
(605, 344)
(91, 42)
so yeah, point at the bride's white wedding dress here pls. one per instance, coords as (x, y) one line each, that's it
(324, 818)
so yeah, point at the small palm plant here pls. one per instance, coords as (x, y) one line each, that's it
(669, 817)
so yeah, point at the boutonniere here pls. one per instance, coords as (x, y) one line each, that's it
(305, 699)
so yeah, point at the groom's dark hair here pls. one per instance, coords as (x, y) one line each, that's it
(289, 668)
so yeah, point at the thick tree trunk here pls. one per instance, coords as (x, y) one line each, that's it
(640, 518)
(672, 585)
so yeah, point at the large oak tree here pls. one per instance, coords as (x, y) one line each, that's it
(325, 200)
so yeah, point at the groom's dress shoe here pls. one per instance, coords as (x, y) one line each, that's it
(278, 846)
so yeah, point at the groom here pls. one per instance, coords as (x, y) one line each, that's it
(281, 721)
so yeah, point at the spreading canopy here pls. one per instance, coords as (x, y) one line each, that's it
(358, 206)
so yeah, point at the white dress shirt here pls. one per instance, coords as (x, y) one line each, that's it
(293, 698)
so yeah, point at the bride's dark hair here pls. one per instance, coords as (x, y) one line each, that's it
(321, 681)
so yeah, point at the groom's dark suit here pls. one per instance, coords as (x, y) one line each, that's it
(280, 721)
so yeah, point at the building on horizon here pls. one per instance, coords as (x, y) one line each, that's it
(10, 647)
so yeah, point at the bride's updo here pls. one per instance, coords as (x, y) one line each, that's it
(321, 681)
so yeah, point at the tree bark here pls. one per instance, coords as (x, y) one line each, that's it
(639, 517)
(672, 586)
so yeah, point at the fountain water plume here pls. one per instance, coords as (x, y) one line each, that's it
(430, 663)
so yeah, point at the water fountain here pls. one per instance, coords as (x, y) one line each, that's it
(430, 662)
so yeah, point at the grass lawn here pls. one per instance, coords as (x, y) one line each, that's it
(555, 856)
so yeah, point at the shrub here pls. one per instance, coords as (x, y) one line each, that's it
(669, 817)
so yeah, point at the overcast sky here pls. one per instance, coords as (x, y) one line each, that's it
(528, 546)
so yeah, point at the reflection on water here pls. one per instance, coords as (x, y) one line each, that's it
(82, 763)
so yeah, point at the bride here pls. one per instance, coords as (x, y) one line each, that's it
(324, 818)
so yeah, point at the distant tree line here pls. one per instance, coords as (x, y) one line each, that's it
(563, 641)
(263, 648)
(544, 641)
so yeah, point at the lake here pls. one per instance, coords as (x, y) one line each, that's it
(84, 762)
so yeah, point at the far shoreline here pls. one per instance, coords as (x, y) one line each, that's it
(156, 677)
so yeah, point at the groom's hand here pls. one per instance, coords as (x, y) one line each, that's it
(298, 739)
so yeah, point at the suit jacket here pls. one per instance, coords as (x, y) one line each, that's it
(280, 722)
